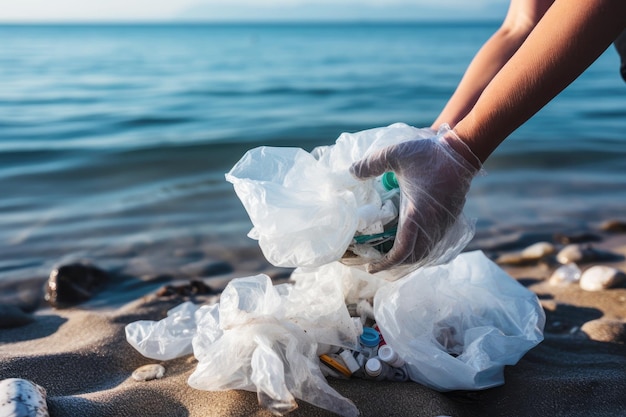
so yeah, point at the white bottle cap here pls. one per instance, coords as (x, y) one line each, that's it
(373, 367)
(388, 355)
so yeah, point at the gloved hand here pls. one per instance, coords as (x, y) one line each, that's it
(434, 179)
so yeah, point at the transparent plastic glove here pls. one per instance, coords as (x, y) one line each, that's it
(434, 180)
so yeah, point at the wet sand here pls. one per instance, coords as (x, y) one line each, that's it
(81, 357)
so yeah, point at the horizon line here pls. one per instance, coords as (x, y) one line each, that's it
(242, 21)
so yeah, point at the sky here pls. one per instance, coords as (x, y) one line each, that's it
(246, 10)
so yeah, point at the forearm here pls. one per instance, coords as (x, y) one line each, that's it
(563, 44)
(521, 18)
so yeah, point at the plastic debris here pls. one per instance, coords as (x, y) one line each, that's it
(457, 325)
(308, 210)
(447, 326)
(452, 326)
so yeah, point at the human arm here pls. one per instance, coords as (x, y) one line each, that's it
(520, 20)
(562, 45)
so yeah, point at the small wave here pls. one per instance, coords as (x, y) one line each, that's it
(605, 114)
(286, 91)
(39, 101)
(153, 121)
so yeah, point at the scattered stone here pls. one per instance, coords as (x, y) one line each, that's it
(195, 287)
(513, 259)
(531, 255)
(22, 398)
(613, 226)
(584, 237)
(605, 330)
(72, 284)
(149, 372)
(565, 275)
(581, 253)
(13, 316)
(601, 277)
(538, 251)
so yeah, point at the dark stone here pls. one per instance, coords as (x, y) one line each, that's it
(13, 316)
(75, 283)
(194, 287)
(583, 237)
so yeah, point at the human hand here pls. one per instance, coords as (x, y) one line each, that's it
(434, 175)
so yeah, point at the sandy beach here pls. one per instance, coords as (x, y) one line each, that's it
(81, 357)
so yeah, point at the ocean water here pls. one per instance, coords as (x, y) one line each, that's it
(114, 140)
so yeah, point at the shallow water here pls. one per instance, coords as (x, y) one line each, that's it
(114, 140)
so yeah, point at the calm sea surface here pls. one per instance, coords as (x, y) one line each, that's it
(114, 140)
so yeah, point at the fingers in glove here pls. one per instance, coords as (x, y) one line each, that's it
(403, 248)
(420, 229)
(372, 166)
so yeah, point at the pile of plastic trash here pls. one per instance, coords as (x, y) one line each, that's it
(450, 325)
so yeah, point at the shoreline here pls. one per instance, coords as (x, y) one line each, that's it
(81, 357)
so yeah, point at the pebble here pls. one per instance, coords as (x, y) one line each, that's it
(13, 316)
(514, 259)
(22, 398)
(538, 250)
(605, 330)
(581, 253)
(613, 226)
(531, 255)
(601, 277)
(74, 283)
(195, 287)
(149, 372)
(565, 275)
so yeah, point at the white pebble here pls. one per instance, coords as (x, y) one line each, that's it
(571, 254)
(22, 398)
(565, 274)
(601, 277)
(538, 250)
(149, 372)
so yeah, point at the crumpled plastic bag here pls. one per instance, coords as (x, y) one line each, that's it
(457, 325)
(259, 337)
(306, 208)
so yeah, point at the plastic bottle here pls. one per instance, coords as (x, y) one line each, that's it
(375, 369)
(390, 356)
(382, 339)
(389, 181)
(381, 220)
(348, 358)
(379, 370)
(369, 341)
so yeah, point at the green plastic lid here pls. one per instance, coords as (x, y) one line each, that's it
(389, 181)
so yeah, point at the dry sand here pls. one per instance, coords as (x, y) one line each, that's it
(81, 357)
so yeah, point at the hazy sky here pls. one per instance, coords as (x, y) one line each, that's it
(156, 10)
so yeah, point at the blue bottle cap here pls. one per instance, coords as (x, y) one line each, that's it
(370, 337)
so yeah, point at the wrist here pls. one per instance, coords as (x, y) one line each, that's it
(460, 147)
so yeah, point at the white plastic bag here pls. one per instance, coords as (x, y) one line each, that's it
(261, 338)
(457, 325)
(306, 208)
(165, 339)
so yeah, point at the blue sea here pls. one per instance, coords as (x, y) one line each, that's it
(114, 139)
